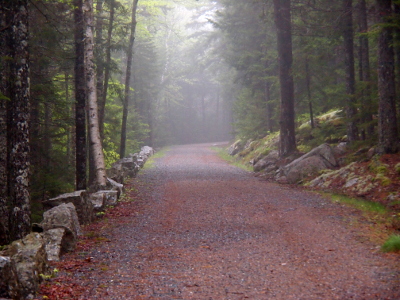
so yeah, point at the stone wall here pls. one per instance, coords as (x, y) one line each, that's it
(24, 262)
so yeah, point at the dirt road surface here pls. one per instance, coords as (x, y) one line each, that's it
(203, 229)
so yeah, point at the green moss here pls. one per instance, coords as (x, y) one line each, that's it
(385, 181)
(397, 168)
(392, 244)
(363, 205)
(304, 148)
(377, 167)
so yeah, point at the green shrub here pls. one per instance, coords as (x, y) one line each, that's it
(392, 244)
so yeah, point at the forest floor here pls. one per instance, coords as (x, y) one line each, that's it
(191, 226)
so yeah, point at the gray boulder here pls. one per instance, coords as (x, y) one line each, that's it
(267, 161)
(102, 199)
(115, 186)
(116, 173)
(310, 164)
(57, 242)
(146, 151)
(235, 147)
(125, 167)
(30, 260)
(110, 197)
(81, 201)
(62, 216)
(340, 148)
(98, 201)
(61, 227)
(9, 284)
(304, 168)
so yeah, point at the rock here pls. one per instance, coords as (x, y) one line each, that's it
(340, 149)
(30, 260)
(80, 199)
(371, 152)
(104, 198)
(351, 182)
(147, 151)
(310, 164)
(62, 216)
(110, 197)
(115, 173)
(57, 242)
(115, 186)
(235, 148)
(348, 180)
(267, 161)
(61, 227)
(304, 168)
(126, 167)
(9, 284)
(98, 201)
(281, 179)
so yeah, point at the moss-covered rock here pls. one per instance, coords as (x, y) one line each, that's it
(397, 168)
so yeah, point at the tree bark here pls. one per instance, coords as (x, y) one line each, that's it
(268, 106)
(387, 121)
(18, 110)
(4, 98)
(283, 24)
(95, 145)
(364, 68)
(397, 57)
(107, 68)
(80, 98)
(127, 80)
(351, 111)
(308, 85)
(100, 62)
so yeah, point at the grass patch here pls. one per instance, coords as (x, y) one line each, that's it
(380, 223)
(392, 244)
(360, 204)
(150, 163)
(222, 153)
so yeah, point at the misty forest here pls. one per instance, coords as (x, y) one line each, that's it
(84, 83)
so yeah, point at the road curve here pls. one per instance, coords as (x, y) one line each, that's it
(204, 229)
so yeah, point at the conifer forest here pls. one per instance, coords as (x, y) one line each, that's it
(84, 83)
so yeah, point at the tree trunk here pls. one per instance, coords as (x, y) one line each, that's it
(283, 24)
(364, 69)
(127, 80)
(387, 122)
(4, 98)
(351, 110)
(95, 145)
(18, 122)
(107, 67)
(397, 56)
(80, 97)
(100, 62)
(267, 91)
(308, 85)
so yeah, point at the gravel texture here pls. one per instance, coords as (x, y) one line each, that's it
(203, 229)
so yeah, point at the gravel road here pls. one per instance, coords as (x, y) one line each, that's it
(203, 229)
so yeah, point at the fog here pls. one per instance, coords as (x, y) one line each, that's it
(181, 82)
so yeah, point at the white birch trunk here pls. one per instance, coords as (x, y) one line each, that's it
(95, 143)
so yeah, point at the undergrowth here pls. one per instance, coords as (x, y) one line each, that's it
(223, 154)
(150, 162)
(360, 204)
(382, 221)
(392, 244)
